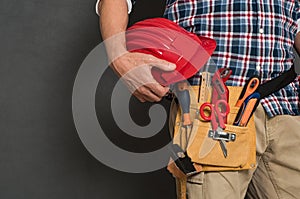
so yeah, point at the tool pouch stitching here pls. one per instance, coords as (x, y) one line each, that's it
(241, 152)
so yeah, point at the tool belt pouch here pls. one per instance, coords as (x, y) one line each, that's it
(206, 151)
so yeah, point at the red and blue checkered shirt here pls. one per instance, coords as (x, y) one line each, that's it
(253, 37)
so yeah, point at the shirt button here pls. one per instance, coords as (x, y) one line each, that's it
(258, 67)
(261, 30)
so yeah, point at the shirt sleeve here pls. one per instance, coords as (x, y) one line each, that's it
(129, 6)
(298, 15)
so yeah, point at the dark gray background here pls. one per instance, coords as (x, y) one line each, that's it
(42, 46)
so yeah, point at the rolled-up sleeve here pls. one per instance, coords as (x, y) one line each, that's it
(129, 6)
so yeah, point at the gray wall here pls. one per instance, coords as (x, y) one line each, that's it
(43, 43)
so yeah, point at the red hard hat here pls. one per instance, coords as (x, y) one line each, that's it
(166, 40)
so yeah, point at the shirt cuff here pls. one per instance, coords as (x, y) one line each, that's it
(298, 22)
(129, 6)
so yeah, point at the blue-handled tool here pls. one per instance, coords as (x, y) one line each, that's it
(247, 109)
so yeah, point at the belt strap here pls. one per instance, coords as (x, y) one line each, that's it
(277, 83)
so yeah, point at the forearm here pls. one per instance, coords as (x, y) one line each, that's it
(113, 21)
(133, 67)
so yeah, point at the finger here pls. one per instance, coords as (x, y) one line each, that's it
(158, 89)
(142, 97)
(148, 95)
(139, 96)
(153, 98)
(160, 63)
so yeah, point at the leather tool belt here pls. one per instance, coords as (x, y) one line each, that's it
(200, 145)
(203, 149)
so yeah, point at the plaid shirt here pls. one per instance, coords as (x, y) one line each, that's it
(253, 37)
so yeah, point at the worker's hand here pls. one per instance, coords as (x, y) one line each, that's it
(135, 71)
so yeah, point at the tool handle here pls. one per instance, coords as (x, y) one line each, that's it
(251, 106)
(225, 73)
(202, 111)
(247, 109)
(239, 115)
(250, 87)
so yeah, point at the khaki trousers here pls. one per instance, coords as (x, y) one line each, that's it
(277, 175)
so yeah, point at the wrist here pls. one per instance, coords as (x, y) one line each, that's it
(115, 47)
(122, 63)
